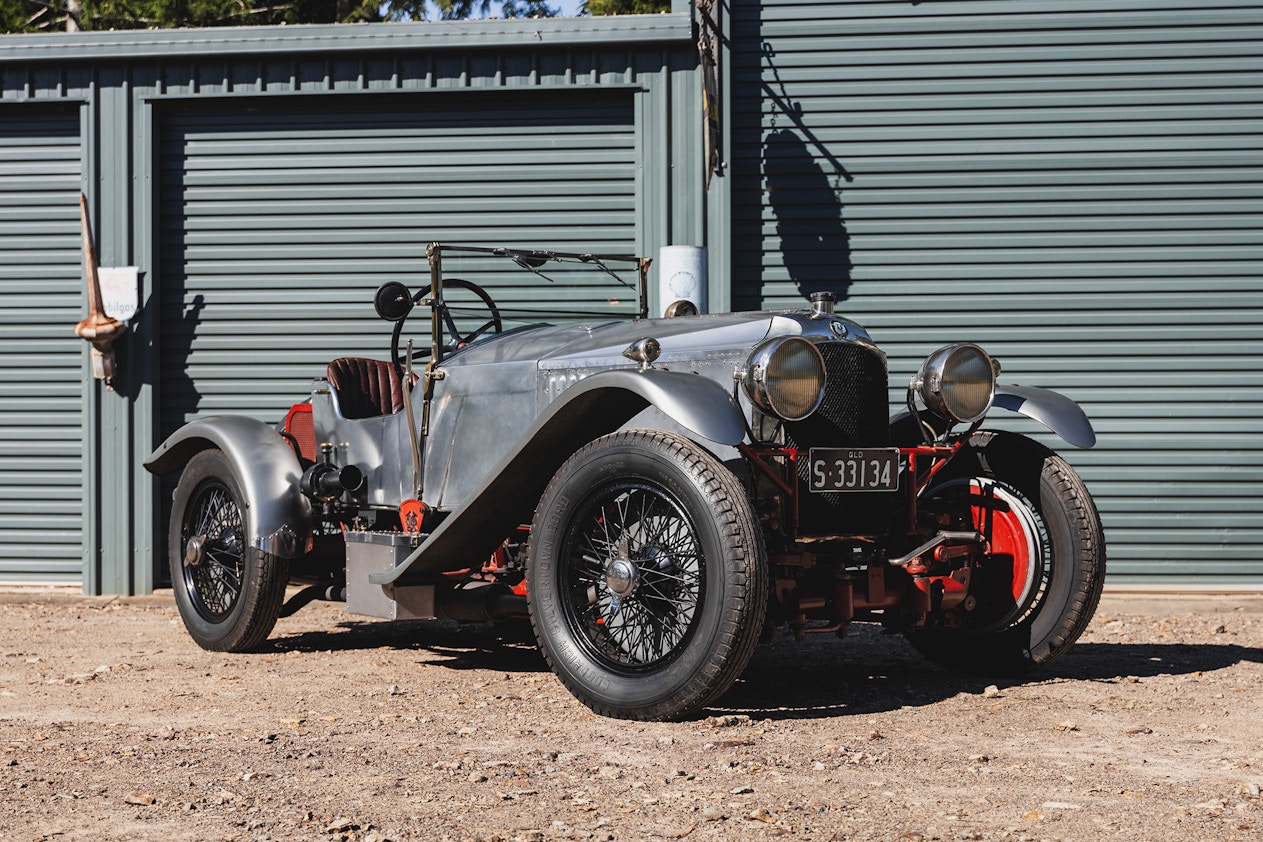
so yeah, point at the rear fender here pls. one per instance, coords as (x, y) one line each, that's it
(278, 516)
(597, 405)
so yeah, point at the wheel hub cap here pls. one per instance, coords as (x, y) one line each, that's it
(195, 551)
(620, 576)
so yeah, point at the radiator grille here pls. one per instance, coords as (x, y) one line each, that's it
(855, 412)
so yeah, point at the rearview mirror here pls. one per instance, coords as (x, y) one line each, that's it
(392, 301)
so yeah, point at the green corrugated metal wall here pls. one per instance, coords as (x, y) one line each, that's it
(279, 223)
(199, 158)
(1076, 185)
(41, 394)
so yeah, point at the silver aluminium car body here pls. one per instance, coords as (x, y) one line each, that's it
(401, 503)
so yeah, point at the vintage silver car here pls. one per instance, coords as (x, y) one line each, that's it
(655, 495)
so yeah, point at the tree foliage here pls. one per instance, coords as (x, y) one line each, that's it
(626, 7)
(466, 9)
(72, 15)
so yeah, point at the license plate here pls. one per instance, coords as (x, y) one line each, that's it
(854, 469)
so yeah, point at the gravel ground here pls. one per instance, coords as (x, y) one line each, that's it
(114, 725)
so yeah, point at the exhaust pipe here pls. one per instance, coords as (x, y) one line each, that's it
(479, 602)
(332, 593)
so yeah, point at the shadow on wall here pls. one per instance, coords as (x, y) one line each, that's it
(805, 200)
(815, 245)
(177, 386)
(173, 366)
(177, 347)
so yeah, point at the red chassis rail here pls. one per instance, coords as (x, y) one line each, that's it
(924, 462)
(911, 587)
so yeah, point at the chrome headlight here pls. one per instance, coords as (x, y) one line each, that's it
(958, 382)
(785, 377)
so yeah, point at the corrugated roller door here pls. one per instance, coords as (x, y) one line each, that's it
(41, 360)
(1077, 186)
(278, 224)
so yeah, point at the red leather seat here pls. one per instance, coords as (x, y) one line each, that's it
(365, 388)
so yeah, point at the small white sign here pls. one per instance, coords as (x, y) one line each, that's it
(120, 291)
(682, 276)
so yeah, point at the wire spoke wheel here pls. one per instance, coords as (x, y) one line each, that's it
(647, 580)
(229, 594)
(634, 576)
(213, 577)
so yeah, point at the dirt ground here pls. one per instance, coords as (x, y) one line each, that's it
(114, 725)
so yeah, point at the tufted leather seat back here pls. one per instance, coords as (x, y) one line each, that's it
(365, 388)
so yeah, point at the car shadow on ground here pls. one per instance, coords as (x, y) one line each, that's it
(870, 672)
(504, 647)
(873, 671)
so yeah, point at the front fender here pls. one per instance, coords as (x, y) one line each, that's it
(278, 516)
(1052, 409)
(597, 405)
(696, 403)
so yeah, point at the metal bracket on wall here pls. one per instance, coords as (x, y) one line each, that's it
(97, 327)
(708, 38)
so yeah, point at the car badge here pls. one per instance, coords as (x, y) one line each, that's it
(838, 328)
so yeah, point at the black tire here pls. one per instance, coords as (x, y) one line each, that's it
(678, 553)
(229, 595)
(1030, 611)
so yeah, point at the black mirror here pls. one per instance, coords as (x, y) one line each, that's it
(530, 261)
(392, 301)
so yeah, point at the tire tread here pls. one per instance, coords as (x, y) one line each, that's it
(746, 596)
(262, 590)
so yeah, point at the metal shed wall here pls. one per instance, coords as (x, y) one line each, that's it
(1076, 185)
(278, 224)
(41, 385)
(150, 102)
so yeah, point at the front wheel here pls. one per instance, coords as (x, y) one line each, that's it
(647, 578)
(229, 594)
(1033, 594)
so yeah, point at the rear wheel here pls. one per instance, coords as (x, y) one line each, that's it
(1036, 591)
(647, 579)
(229, 594)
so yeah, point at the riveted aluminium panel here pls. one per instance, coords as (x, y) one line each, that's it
(1078, 186)
(279, 222)
(41, 360)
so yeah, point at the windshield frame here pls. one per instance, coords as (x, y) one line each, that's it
(529, 260)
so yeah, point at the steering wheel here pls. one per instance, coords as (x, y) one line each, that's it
(456, 339)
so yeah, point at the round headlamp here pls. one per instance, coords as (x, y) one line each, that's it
(785, 377)
(958, 382)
